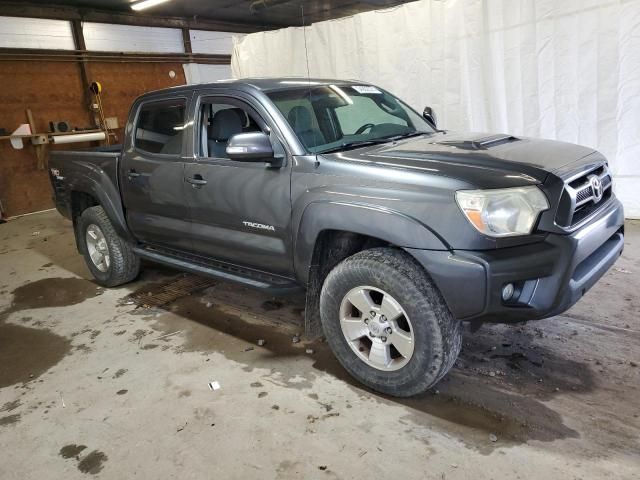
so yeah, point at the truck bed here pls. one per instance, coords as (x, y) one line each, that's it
(89, 170)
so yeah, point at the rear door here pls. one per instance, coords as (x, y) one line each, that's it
(240, 211)
(152, 173)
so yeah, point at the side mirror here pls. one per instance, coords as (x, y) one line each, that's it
(250, 147)
(430, 116)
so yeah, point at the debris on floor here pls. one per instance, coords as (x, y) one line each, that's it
(214, 386)
(161, 337)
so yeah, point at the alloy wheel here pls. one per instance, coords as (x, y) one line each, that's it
(97, 248)
(377, 328)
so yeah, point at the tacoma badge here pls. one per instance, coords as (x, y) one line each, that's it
(259, 225)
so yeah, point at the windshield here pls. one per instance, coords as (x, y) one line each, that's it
(331, 117)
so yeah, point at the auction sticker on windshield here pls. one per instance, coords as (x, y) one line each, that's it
(365, 89)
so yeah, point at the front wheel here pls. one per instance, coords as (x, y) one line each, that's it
(110, 259)
(387, 323)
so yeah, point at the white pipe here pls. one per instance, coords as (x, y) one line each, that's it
(79, 137)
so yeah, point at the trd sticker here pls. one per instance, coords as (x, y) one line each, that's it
(56, 173)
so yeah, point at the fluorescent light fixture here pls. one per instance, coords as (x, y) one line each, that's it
(146, 4)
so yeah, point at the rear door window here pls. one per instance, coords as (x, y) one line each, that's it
(160, 126)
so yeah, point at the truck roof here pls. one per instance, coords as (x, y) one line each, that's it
(264, 84)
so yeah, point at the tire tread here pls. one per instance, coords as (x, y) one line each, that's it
(125, 264)
(376, 264)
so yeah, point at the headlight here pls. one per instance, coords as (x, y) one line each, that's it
(503, 212)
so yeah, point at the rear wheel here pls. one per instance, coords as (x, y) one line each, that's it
(387, 323)
(110, 259)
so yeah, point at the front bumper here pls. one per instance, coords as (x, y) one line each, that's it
(549, 276)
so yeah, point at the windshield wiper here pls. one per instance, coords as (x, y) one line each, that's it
(349, 145)
(393, 138)
(374, 141)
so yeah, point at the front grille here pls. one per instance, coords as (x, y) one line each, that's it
(584, 211)
(583, 195)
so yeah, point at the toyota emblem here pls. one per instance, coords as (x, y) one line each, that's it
(596, 188)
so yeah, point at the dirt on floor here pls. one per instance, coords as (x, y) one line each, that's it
(173, 374)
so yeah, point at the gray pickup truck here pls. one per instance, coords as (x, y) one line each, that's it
(398, 231)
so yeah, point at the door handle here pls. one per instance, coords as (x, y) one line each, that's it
(132, 174)
(197, 181)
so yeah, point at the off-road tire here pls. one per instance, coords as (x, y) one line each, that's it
(125, 264)
(437, 334)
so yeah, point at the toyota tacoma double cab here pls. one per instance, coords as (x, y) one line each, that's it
(397, 230)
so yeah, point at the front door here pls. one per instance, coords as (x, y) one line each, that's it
(152, 174)
(240, 211)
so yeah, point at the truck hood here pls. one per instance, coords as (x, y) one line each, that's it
(485, 160)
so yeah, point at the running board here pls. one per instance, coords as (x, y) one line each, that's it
(274, 285)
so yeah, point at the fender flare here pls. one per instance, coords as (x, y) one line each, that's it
(98, 184)
(383, 223)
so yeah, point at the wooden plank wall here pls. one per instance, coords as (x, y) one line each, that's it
(53, 90)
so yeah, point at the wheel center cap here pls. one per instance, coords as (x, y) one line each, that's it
(377, 328)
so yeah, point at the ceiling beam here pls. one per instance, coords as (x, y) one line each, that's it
(34, 54)
(59, 12)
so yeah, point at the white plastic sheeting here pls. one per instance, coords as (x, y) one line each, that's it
(560, 69)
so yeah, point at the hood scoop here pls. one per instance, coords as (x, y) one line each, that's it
(482, 143)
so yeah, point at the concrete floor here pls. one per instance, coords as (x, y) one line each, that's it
(91, 383)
